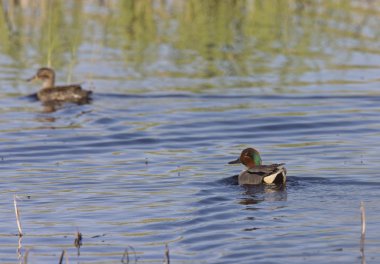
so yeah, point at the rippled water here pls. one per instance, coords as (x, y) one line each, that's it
(145, 164)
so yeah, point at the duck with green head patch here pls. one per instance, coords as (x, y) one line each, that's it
(256, 173)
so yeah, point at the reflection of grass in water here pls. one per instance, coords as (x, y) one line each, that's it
(226, 38)
(75, 38)
(310, 144)
(62, 36)
(58, 34)
(4, 29)
(215, 108)
(50, 37)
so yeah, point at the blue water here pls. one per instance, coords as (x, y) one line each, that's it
(145, 164)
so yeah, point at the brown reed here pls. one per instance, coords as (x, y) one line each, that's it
(78, 242)
(125, 257)
(167, 256)
(63, 254)
(25, 260)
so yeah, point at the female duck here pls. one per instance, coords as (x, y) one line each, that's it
(67, 93)
(257, 173)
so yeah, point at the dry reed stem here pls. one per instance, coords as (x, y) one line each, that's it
(363, 227)
(25, 261)
(19, 247)
(63, 254)
(125, 257)
(78, 242)
(61, 258)
(17, 216)
(362, 210)
(167, 256)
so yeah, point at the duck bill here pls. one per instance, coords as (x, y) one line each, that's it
(31, 78)
(237, 161)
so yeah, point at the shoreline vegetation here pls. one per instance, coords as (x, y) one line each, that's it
(213, 35)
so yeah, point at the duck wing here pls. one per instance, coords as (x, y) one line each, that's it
(266, 170)
(274, 173)
(70, 93)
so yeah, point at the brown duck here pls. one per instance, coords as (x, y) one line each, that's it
(49, 93)
(256, 173)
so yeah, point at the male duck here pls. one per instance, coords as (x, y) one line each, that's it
(257, 173)
(66, 93)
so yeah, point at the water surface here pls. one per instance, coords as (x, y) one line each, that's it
(180, 88)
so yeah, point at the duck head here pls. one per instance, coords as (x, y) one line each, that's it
(46, 75)
(250, 157)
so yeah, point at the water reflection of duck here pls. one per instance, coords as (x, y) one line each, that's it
(257, 173)
(50, 93)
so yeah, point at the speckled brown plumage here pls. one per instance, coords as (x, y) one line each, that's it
(71, 93)
(49, 93)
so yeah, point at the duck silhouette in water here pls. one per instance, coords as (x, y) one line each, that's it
(49, 94)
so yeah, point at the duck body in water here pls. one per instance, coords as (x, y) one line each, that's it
(49, 93)
(256, 173)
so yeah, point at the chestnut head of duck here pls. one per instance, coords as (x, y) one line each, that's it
(249, 157)
(256, 172)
